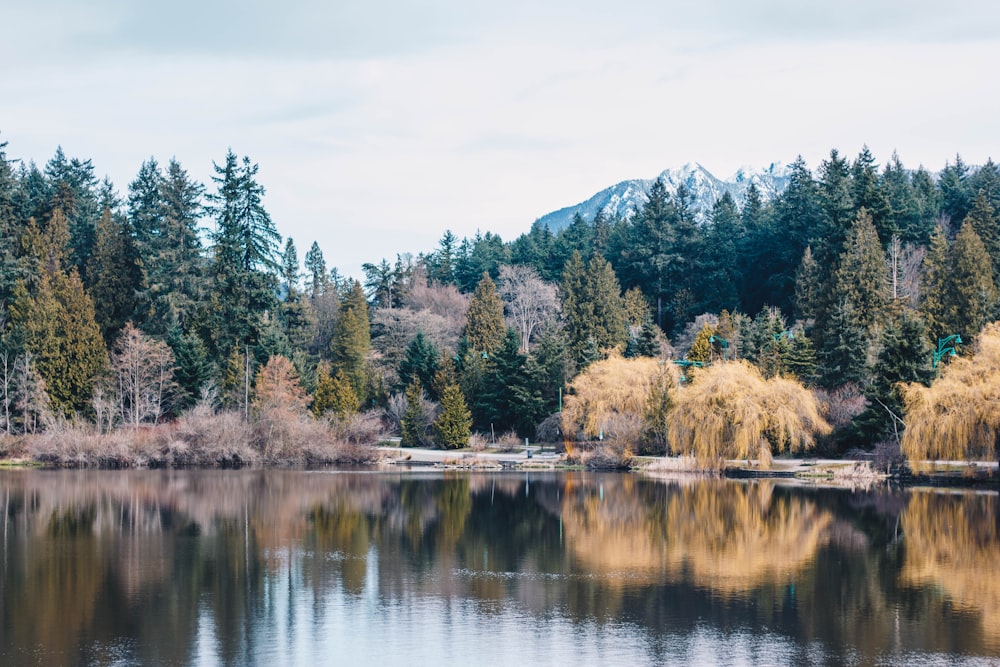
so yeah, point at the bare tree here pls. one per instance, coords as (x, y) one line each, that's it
(143, 370)
(30, 396)
(529, 301)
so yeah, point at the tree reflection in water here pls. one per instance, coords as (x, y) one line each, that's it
(160, 567)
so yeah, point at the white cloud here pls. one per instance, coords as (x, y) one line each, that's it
(490, 118)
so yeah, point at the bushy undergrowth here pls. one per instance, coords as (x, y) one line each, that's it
(203, 438)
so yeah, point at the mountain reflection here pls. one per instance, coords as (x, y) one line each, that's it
(147, 567)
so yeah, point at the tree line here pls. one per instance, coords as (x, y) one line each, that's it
(843, 282)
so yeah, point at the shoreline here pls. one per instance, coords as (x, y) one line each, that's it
(844, 473)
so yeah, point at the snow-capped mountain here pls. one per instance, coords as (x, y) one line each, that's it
(626, 197)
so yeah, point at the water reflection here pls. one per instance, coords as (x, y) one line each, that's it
(236, 567)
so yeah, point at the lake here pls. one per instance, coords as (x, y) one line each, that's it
(287, 567)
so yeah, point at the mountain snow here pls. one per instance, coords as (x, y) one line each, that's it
(625, 198)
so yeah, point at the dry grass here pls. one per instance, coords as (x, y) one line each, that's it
(201, 438)
(730, 411)
(957, 417)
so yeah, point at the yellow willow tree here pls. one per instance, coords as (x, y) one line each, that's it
(612, 398)
(957, 417)
(729, 411)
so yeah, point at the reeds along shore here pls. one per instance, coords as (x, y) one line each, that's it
(223, 439)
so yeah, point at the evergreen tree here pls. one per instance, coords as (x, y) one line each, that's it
(193, 368)
(798, 359)
(484, 323)
(290, 270)
(344, 400)
(701, 349)
(315, 271)
(984, 220)
(412, 425)
(453, 426)
(844, 358)
(175, 267)
(956, 197)
(934, 279)
(352, 341)
(593, 307)
(244, 255)
(861, 275)
(420, 363)
(506, 399)
(10, 228)
(903, 357)
(870, 194)
(115, 274)
(972, 294)
(74, 190)
(57, 326)
(807, 286)
(323, 397)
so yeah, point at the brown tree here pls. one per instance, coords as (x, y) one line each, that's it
(143, 371)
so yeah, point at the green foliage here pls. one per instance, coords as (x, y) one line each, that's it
(661, 399)
(352, 340)
(484, 324)
(593, 308)
(420, 363)
(972, 294)
(412, 425)
(323, 397)
(935, 277)
(904, 357)
(115, 274)
(244, 255)
(453, 426)
(194, 369)
(701, 349)
(57, 325)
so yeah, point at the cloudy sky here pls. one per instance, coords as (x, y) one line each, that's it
(378, 124)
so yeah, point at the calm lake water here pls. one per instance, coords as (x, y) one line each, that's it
(302, 568)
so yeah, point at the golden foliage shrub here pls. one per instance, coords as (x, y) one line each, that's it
(611, 398)
(730, 411)
(958, 416)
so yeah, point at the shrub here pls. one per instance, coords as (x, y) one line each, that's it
(731, 411)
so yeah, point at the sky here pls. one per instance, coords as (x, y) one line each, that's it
(379, 124)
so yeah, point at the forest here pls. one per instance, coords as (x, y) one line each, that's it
(174, 314)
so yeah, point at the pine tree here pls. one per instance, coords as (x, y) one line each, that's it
(10, 229)
(290, 270)
(453, 426)
(412, 425)
(244, 254)
(983, 218)
(934, 278)
(807, 286)
(352, 340)
(344, 400)
(903, 357)
(57, 326)
(323, 397)
(420, 364)
(701, 349)
(861, 276)
(316, 271)
(194, 370)
(972, 294)
(484, 324)
(115, 275)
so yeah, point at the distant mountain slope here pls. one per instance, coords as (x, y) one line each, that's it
(623, 199)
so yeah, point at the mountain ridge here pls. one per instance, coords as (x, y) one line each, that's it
(623, 199)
